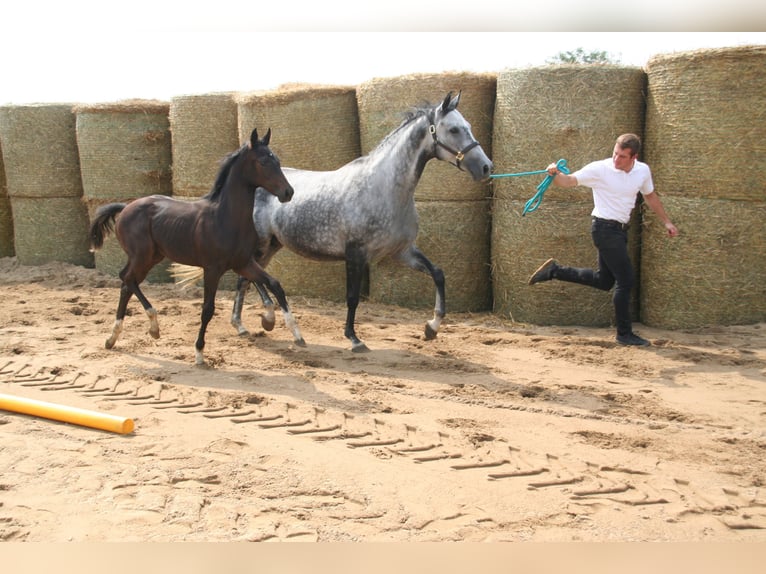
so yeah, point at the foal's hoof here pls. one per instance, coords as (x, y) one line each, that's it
(267, 323)
(430, 333)
(359, 347)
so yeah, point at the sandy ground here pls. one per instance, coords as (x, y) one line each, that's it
(495, 431)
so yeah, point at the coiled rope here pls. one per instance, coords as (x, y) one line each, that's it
(537, 198)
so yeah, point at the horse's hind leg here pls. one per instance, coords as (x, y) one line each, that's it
(415, 259)
(122, 306)
(151, 312)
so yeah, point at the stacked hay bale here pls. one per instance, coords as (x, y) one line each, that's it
(706, 143)
(544, 114)
(314, 127)
(453, 210)
(204, 131)
(50, 222)
(6, 218)
(125, 153)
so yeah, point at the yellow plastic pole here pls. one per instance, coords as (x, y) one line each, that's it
(66, 414)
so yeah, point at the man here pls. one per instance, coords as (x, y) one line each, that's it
(616, 182)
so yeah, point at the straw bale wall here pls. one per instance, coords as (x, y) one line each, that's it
(521, 243)
(713, 273)
(706, 123)
(204, 130)
(125, 153)
(454, 235)
(314, 127)
(42, 173)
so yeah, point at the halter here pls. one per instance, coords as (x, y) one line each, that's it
(459, 155)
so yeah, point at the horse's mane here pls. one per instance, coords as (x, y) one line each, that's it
(223, 173)
(415, 112)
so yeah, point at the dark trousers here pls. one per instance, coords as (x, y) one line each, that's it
(614, 269)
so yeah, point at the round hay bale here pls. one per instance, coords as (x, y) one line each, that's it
(111, 258)
(40, 150)
(706, 124)
(125, 149)
(455, 236)
(384, 103)
(521, 244)
(51, 229)
(204, 130)
(574, 112)
(712, 273)
(313, 127)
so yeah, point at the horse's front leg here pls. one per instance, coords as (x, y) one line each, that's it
(355, 266)
(255, 273)
(415, 259)
(208, 310)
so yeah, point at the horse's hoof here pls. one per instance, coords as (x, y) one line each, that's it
(155, 333)
(430, 333)
(242, 332)
(360, 348)
(109, 344)
(300, 342)
(267, 324)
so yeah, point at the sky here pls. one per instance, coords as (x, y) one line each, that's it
(87, 51)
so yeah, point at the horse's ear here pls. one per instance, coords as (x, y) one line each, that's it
(254, 138)
(450, 103)
(267, 137)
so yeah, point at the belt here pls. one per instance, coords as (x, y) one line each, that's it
(612, 223)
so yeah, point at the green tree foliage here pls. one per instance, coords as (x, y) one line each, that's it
(580, 56)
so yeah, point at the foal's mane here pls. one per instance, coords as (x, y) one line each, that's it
(223, 173)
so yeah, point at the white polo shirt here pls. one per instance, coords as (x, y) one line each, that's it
(615, 191)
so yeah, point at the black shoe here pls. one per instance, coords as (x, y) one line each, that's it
(632, 339)
(544, 272)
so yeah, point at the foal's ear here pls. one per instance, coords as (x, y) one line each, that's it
(254, 142)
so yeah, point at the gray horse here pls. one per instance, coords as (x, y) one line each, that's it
(365, 210)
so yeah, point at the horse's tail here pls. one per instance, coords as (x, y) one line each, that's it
(185, 275)
(103, 223)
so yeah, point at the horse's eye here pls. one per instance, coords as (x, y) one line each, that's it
(454, 130)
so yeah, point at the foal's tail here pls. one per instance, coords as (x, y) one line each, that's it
(103, 223)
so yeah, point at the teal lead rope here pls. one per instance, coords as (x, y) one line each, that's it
(537, 198)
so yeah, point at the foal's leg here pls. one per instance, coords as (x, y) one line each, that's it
(129, 288)
(267, 317)
(208, 310)
(255, 273)
(355, 266)
(415, 259)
